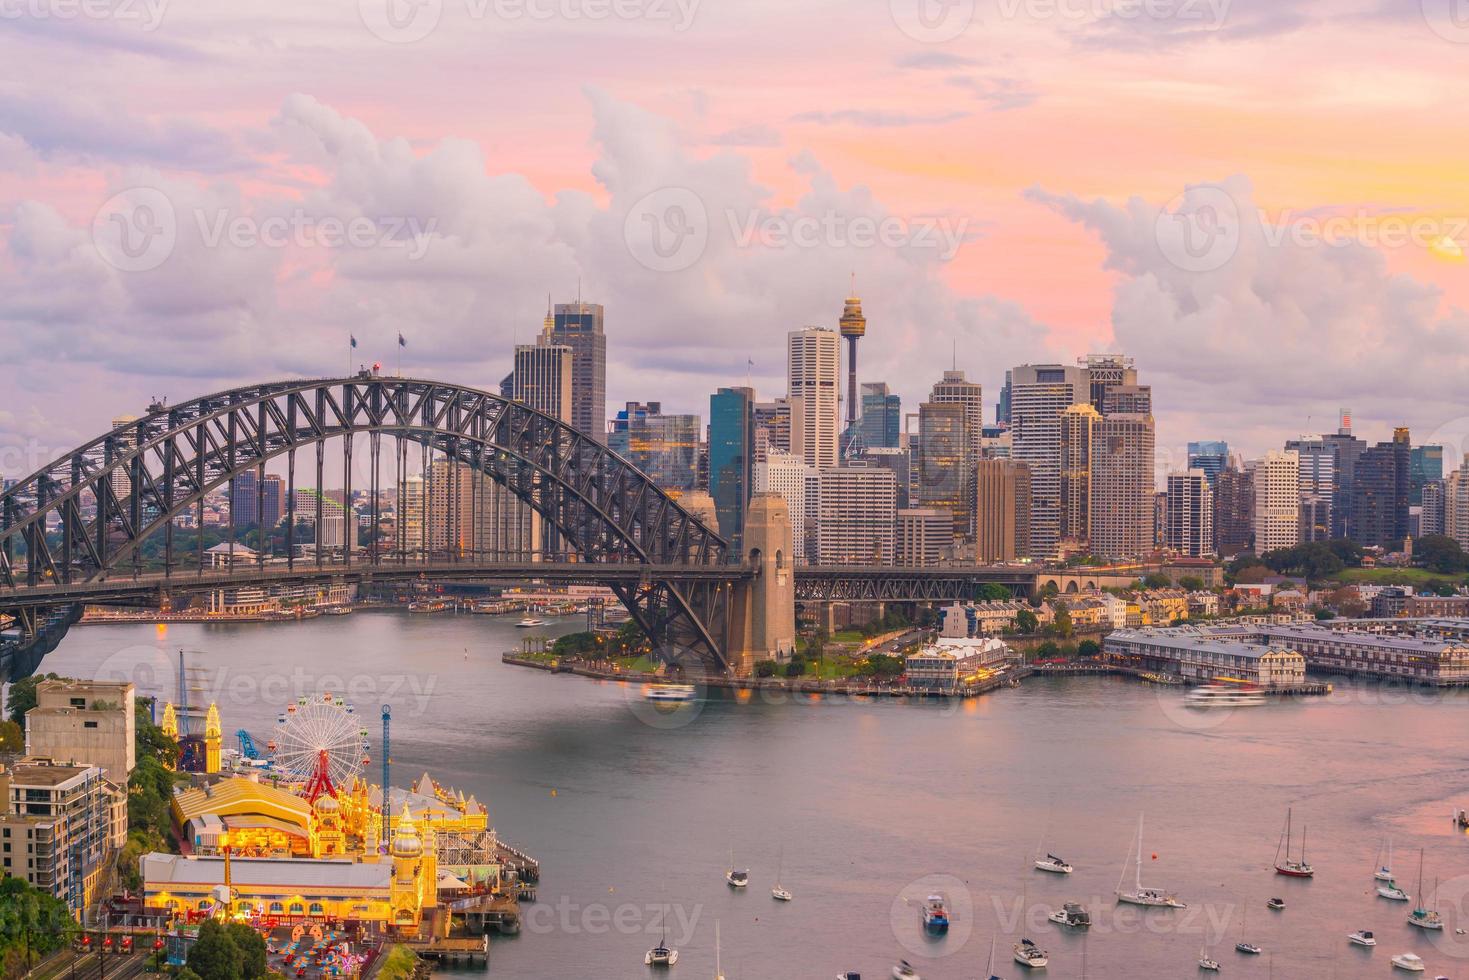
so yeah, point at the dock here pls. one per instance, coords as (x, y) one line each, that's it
(458, 950)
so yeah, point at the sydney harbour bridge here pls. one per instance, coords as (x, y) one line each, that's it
(73, 533)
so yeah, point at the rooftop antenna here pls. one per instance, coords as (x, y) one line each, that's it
(954, 366)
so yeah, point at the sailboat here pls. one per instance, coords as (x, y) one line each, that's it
(1155, 897)
(1050, 862)
(991, 968)
(1205, 963)
(1384, 871)
(1243, 946)
(1285, 866)
(661, 955)
(737, 877)
(1423, 916)
(779, 893)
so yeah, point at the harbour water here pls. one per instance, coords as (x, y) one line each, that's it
(872, 805)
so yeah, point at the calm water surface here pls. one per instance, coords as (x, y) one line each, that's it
(873, 805)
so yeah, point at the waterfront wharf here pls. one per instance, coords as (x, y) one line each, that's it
(455, 950)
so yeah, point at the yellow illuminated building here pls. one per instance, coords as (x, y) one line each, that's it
(212, 737)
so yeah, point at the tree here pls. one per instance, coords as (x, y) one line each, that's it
(1157, 580)
(1026, 621)
(765, 668)
(1062, 621)
(1324, 614)
(214, 956)
(884, 665)
(796, 667)
(252, 950)
(1192, 583)
(1047, 649)
(1442, 554)
(22, 696)
(994, 592)
(12, 737)
(1088, 648)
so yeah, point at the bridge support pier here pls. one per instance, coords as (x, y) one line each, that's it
(763, 611)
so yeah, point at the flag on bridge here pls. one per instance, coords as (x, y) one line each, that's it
(401, 341)
(354, 341)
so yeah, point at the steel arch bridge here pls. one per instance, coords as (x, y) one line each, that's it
(73, 531)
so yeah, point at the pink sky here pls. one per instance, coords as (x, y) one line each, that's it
(1051, 132)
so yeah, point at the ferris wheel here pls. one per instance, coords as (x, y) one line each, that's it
(313, 726)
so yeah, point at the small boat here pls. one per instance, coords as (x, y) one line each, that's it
(1389, 889)
(1363, 937)
(935, 914)
(669, 693)
(1205, 963)
(737, 877)
(1423, 916)
(1053, 864)
(1275, 904)
(1461, 819)
(529, 622)
(1283, 863)
(904, 971)
(1030, 956)
(1072, 914)
(338, 610)
(1249, 948)
(661, 955)
(1384, 871)
(1152, 897)
(1410, 962)
(779, 893)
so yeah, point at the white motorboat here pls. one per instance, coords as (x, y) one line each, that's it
(1409, 962)
(1053, 864)
(1275, 904)
(1152, 897)
(1072, 914)
(1424, 916)
(669, 693)
(904, 971)
(935, 914)
(1363, 937)
(1030, 956)
(1224, 696)
(529, 622)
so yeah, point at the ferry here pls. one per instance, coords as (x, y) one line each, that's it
(669, 693)
(935, 914)
(426, 606)
(337, 610)
(1224, 696)
(530, 622)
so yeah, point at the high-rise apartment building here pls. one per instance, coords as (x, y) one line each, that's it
(772, 427)
(1002, 510)
(543, 380)
(732, 459)
(1277, 501)
(254, 501)
(855, 514)
(790, 477)
(1425, 464)
(1209, 455)
(1190, 522)
(1039, 393)
(61, 824)
(1122, 486)
(900, 462)
(666, 447)
(1318, 485)
(1234, 511)
(1346, 450)
(578, 326)
(1456, 504)
(925, 537)
(1380, 493)
(881, 421)
(813, 366)
(1431, 517)
(953, 388)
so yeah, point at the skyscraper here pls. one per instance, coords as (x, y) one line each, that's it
(1104, 371)
(1209, 455)
(1277, 501)
(1190, 523)
(1380, 493)
(1318, 486)
(925, 537)
(1425, 464)
(954, 388)
(1346, 450)
(772, 427)
(813, 358)
(1431, 518)
(1456, 504)
(543, 379)
(791, 478)
(943, 459)
(1234, 511)
(1075, 522)
(731, 459)
(1039, 393)
(881, 421)
(666, 447)
(255, 501)
(579, 326)
(1123, 485)
(1002, 510)
(855, 514)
